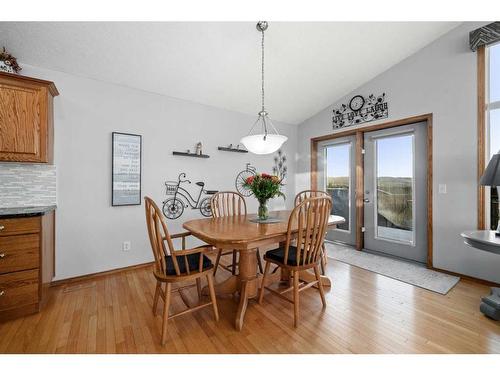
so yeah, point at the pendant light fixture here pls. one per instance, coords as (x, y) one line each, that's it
(264, 142)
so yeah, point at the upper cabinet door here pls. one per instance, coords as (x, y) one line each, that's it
(26, 121)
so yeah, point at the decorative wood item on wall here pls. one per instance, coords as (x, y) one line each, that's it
(8, 63)
(231, 148)
(173, 207)
(241, 178)
(484, 36)
(126, 169)
(280, 168)
(360, 110)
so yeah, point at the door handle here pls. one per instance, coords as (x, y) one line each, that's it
(366, 200)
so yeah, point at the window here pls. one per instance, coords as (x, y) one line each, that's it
(492, 123)
(394, 165)
(338, 180)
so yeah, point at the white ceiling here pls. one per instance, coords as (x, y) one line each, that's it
(308, 65)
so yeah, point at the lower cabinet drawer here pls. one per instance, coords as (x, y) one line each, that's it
(18, 289)
(18, 253)
(23, 225)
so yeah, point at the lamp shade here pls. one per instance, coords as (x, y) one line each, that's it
(263, 144)
(491, 176)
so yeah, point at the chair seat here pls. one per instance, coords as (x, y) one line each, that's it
(193, 261)
(278, 255)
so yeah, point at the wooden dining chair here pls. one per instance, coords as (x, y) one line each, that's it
(299, 198)
(229, 203)
(302, 250)
(172, 266)
(306, 194)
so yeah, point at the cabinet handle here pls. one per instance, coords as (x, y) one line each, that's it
(2, 292)
(2, 255)
(2, 227)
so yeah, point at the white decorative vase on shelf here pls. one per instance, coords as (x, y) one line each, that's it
(6, 67)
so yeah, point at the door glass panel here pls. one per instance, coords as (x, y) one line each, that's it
(338, 180)
(494, 73)
(394, 188)
(494, 136)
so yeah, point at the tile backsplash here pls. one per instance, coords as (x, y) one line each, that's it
(24, 184)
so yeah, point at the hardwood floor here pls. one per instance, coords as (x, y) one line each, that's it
(366, 313)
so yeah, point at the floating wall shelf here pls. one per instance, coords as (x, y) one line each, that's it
(191, 154)
(232, 149)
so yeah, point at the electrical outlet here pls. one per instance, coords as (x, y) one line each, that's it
(126, 245)
(442, 188)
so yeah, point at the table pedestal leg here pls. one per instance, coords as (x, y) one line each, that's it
(242, 305)
(248, 279)
(247, 282)
(225, 288)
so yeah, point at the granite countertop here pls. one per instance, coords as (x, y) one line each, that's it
(25, 211)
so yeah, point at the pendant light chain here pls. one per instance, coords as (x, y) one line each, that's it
(265, 142)
(262, 69)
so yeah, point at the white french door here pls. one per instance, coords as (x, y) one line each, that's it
(336, 160)
(394, 207)
(395, 196)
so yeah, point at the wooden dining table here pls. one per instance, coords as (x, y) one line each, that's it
(239, 233)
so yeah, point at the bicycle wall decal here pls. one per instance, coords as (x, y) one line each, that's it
(241, 177)
(173, 208)
(279, 170)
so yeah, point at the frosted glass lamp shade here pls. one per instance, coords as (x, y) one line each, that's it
(262, 145)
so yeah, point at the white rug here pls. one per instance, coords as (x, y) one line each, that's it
(408, 272)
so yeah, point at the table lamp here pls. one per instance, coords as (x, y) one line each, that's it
(491, 177)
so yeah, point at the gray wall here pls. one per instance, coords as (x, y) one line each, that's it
(23, 185)
(89, 231)
(439, 79)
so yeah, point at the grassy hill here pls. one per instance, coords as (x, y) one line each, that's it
(337, 182)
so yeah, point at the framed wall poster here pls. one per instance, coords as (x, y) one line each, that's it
(126, 169)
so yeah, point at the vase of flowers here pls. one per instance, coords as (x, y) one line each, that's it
(264, 187)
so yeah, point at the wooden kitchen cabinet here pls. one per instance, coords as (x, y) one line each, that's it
(27, 255)
(26, 119)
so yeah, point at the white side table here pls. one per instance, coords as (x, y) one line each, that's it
(485, 240)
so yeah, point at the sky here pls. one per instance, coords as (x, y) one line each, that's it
(494, 71)
(394, 158)
(494, 96)
(337, 160)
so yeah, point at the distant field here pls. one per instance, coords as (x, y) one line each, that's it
(337, 182)
(394, 198)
